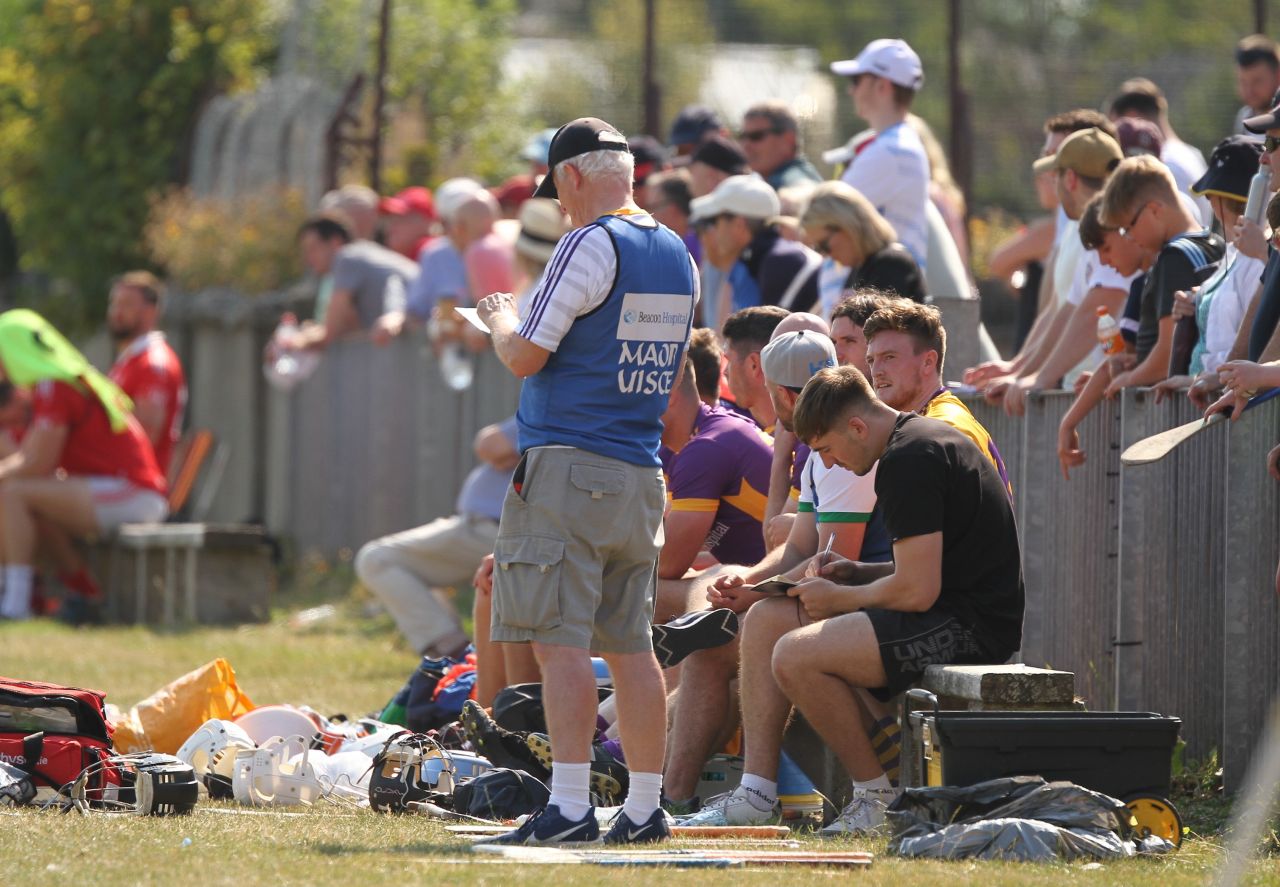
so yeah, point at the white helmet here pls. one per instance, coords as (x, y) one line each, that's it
(277, 720)
(210, 752)
(287, 771)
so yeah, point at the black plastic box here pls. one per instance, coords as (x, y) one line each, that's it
(1121, 754)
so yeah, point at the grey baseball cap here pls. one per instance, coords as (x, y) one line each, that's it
(793, 359)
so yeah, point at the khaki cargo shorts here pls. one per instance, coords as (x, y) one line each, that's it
(575, 563)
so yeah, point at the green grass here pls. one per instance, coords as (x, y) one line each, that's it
(352, 663)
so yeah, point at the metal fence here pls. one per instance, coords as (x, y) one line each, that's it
(1154, 584)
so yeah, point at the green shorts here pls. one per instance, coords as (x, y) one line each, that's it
(576, 559)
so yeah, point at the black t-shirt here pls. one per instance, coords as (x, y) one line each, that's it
(1176, 268)
(891, 270)
(932, 478)
(775, 263)
(1268, 314)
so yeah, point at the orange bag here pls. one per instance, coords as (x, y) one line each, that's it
(168, 717)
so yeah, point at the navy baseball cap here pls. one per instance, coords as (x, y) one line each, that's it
(575, 138)
(1231, 166)
(692, 123)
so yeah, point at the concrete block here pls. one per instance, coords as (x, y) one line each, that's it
(993, 686)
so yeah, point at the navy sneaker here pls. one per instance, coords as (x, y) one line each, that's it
(547, 826)
(700, 630)
(624, 831)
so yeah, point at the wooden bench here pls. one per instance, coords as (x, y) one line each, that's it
(209, 573)
(958, 687)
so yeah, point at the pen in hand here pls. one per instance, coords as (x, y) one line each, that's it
(826, 553)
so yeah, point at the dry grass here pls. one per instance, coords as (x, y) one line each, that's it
(352, 664)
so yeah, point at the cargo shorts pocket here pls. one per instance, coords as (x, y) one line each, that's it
(597, 481)
(527, 587)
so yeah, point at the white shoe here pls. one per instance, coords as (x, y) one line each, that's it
(732, 808)
(863, 815)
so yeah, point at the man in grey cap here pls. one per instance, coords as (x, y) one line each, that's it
(835, 508)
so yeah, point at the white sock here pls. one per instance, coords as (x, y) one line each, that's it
(880, 785)
(644, 794)
(761, 792)
(17, 592)
(570, 784)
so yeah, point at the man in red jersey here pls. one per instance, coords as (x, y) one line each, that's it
(146, 368)
(85, 465)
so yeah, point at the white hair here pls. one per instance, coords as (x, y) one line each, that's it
(602, 166)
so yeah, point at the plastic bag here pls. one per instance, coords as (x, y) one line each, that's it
(164, 720)
(1021, 818)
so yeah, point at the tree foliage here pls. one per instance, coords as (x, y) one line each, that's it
(97, 100)
(444, 70)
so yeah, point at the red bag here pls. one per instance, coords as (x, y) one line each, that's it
(52, 732)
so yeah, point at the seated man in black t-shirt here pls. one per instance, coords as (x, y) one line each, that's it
(952, 595)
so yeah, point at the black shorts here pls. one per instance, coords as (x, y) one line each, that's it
(910, 642)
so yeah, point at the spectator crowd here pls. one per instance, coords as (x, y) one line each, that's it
(835, 519)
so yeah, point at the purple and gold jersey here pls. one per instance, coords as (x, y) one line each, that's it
(799, 460)
(724, 468)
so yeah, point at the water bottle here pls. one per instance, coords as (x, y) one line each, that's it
(601, 669)
(456, 366)
(290, 367)
(1259, 189)
(798, 796)
(1109, 333)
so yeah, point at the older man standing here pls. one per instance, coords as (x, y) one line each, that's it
(599, 346)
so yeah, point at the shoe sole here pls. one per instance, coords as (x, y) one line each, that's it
(672, 644)
(602, 784)
(482, 732)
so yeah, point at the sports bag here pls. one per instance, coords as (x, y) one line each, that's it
(52, 732)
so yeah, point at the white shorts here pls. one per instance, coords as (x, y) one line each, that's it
(116, 502)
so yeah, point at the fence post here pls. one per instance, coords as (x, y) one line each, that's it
(1068, 530)
(1170, 635)
(1251, 607)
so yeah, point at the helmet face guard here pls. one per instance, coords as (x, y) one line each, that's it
(146, 784)
(408, 769)
(287, 771)
(210, 752)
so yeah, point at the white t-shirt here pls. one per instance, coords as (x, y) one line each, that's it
(893, 173)
(1230, 300)
(1070, 250)
(1187, 165)
(945, 274)
(576, 281)
(835, 494)
(831, 280)
(1091, 273)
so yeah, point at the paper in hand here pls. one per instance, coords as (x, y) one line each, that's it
(473, 317)
(778, 585)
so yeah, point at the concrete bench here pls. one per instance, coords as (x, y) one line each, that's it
(211, 573)
(1014, 687)
(958, 687)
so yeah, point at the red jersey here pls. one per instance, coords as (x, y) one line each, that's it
(149, 372)
(92, 449)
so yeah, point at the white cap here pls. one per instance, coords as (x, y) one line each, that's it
(452, 194)
(891, 59)
(747, 196)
